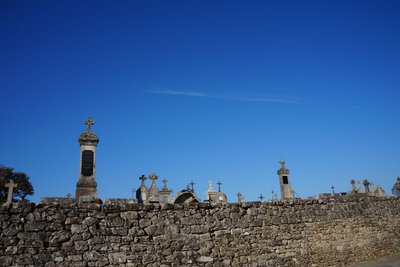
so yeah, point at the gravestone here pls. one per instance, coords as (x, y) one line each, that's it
(11, 185)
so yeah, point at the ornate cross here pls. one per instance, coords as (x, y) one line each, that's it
(89, 122)
(142, 178)
(11, 185)
(219, 186)
(282, 162)
(153, 176)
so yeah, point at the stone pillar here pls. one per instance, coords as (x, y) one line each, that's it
(86, 188)
(165, 193)
(287, 192)
(366, 186)
(154, 193)
(142, 194)
(353, 186)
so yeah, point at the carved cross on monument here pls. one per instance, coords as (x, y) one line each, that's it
(219, 186)
(165, 183)
(89, 122)
(11, 185)
(142, 179)
(153, 176)
(240, 197)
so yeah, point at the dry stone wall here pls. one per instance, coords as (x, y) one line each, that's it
(303, 233)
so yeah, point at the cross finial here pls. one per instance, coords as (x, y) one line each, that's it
(142, 179)
(11, 185)
(240, 197)
(261, 197)
(219, 186)
(153, 176)
(192, 185)
(282, 162)
(69, 196)
(333, 189)
(165, 182)
(89, 122)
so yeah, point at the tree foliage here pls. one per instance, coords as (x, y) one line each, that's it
(23, 189)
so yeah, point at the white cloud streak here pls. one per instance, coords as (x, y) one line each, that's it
(243, 97)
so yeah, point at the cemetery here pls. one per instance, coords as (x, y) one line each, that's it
(160, 229)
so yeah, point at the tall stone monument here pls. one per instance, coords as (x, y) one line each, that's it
(165, 192)
(287, 191)
(142, 194)
(154, 193)
(86, 188)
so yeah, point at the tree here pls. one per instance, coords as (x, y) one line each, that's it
(23, 189)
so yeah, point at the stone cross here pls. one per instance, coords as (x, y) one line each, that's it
(153, 177)
(11, 185)
(219, 186)
(142, 179)
(366, 185)
(165, 183)
(89, 122)
(210, 186)
(282, 162)
(360, 190)
(292, 193)
(372, 187)
(353, 186)
(240, 198)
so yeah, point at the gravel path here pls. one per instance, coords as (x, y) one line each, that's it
(390, 261)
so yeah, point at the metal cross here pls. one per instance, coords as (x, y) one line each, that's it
(272, 194)
(89, 122)
(261, 197)
(192, 185)
(219, 186)
(333, 189)
(11, 185)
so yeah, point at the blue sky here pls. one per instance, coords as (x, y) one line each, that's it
(199, 90)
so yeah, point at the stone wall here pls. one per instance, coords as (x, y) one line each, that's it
(304, 233)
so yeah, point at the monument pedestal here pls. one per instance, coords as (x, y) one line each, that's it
(86, 187)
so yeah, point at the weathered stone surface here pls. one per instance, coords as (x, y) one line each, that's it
(296, 233)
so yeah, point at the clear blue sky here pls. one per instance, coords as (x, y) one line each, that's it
(199, 90)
